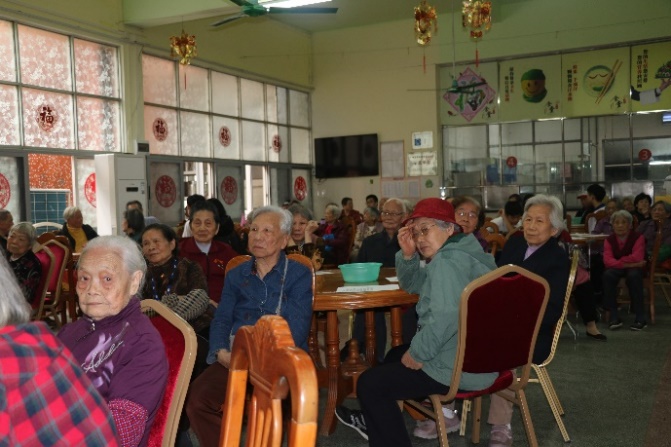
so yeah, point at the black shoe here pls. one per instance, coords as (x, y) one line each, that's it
(353, 419)
(599, 337)
(617, 324)
(638, 326)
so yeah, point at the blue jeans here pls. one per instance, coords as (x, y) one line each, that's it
(634, 280)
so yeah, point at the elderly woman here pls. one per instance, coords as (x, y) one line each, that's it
(178, 283)
(75, 230)
(371, 225)
(302, 240)
(65, 407)
(425, 366)
(468, 213)
(133, 224)
(661, 211)
(539, 252)
(336, 236)
(212, 255)
(624, 257)
(6, 224)
(115, 343)
(268, 284)
(26, 266)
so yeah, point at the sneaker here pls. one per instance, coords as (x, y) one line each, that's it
(638, 326)
(616, 324)
(501, 436)
(427, 429)
(353, 419)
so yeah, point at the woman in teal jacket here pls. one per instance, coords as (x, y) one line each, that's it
(453, 260)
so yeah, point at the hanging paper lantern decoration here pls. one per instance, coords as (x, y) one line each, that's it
(426, 22)
(183, 47)
(477, 15)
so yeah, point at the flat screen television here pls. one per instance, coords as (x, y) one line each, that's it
(347, 156)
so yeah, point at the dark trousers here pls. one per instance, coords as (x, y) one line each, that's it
(634, 280)
(585, 302)
(203, 406)
(380, 387)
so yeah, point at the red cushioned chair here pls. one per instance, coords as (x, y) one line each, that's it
(46, 258)
(499, 317)
(51, 305)
(180, 343)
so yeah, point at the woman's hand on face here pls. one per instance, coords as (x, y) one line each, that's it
(311, 227)
(409, 362)
(406, 242)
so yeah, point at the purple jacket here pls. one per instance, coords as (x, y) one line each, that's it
(123, 356)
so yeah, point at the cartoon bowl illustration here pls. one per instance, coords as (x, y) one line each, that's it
(596, 81)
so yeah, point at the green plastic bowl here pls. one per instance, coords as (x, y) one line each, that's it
(360, 271)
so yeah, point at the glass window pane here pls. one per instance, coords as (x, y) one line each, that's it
(278, 143)
(252, 99)
(45, 58)
(196, 93)
(282, 112)
(160, 129)
(11, 179)
(166, 199)
(572, 129)
(271, 103)
(158, 79)
(96, 70)
(51, 183)
(613, 126)
(229, 189)
(47, 119)
(515, 133)
(494, 134)
(98, 125)
(577, 167)
(549, 166)
(195, 135)
(253, 141)
(467, 137)
(7, 63)
(85, 173)
(547, 130)
(9, 116)
(225, 94)
(299, 109)
(523, 173)
(300, 146)
(300, 180)
(226, 137)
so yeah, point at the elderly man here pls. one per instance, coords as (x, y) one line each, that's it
(75, 230)
(382, 247)
(6, 224)
(268, 284)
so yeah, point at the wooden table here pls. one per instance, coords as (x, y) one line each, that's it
(329, 301)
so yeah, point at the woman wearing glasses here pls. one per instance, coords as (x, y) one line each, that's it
(453, 259)
(470, 217)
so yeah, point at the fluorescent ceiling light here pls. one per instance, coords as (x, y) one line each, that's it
(288, 3)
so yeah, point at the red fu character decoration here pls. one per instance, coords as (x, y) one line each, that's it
(476, 15)
(426, 24)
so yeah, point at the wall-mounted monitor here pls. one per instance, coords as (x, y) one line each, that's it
(347, 156)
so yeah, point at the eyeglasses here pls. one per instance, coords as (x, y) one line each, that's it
(389, 213)
(422, 231)
(470, 214)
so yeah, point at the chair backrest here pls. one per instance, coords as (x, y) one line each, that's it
(47, 260)
(265, 355)
(61, 256)
(43, 227)
(575, 257)
(236, 262)
(179, 340)
(592, 218)
(495, 241)
(499, 317)
(490, 228)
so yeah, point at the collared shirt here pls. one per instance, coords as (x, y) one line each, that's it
(247, 297)
(47, 399)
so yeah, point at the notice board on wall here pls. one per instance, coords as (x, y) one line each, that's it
(392, 160)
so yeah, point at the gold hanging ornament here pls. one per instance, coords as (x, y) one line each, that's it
(476, 15)
(426, 24)
(183, 47)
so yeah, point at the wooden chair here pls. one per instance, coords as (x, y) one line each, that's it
(47, 260)
(592, 218)
(495, 241)
(543, 377)
(236, 262)
(265, 356)
(489, 227)
(52, 305)
(499, 318)
(180, 344)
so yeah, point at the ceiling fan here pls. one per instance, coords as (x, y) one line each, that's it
(257, 8)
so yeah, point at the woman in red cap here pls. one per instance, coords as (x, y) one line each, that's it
(453, 259)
